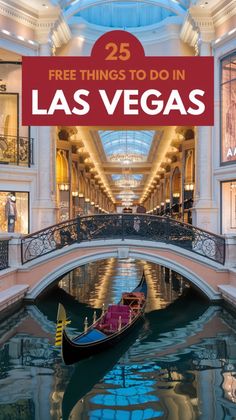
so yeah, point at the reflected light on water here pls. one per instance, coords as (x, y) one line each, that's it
(109, 278)
(180, 363)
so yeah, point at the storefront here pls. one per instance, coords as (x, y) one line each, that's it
(14, 212)
(228, 142)
(15, 144)
(228, 109)
(228, 194)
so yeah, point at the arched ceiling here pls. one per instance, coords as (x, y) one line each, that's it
(120, 14)
(128, 161)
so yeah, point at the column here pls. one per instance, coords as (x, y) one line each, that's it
(96, 199)
(44, 208)
(81, 203)
(87, 192)
(204, 211)
(92, 196)
(81, 189)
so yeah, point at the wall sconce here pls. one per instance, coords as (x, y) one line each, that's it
(162, 203)
(176, 195)
(97, 206)
(188, 187)
(64, 187)
(75, 193)
(158, 207)
(167, 201)
(87, 200)
(92, 203)
(81, 195)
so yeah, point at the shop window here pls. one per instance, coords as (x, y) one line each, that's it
(229, 207)
(14, 212)
(228, 109)
(62, 176)
(75, 189)
(9, 114)
(15, 144)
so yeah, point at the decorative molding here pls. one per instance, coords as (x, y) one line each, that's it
(54, 26)
(189, 32)
(226, 39)
(56, 30)
(21, 47)
(17, 15)
(197, 26)
(61, 33)
(44, 29)
(204, 24)
(222, 14)
(200, 25)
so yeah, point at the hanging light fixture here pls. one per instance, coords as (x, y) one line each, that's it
(127, 203)
(127, 157)
(127, 181)
(127, 195)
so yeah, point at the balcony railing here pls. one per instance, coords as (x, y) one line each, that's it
(16, 150)
(4, 254)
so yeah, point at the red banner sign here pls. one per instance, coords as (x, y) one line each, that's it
(117, 85)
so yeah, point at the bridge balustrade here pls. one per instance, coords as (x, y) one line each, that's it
(4, 254)
(123, 226)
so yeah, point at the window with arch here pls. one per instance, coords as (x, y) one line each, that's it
(176, 181)
(63, 184)
(228, 203)
(189, 167)
(228, 109)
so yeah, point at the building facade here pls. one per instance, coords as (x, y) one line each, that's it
(56, 173)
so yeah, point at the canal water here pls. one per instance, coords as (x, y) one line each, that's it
(179, 364)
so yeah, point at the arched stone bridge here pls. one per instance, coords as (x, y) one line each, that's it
(196, 254)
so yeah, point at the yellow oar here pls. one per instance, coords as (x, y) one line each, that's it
(61, 323)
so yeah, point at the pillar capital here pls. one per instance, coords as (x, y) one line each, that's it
(198, 28)
(52, 30)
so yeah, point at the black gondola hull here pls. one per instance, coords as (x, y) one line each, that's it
(72, 353)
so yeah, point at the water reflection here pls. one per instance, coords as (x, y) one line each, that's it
(179, 364)
(102, 282)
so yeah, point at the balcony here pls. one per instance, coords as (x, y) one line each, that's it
(16, 150)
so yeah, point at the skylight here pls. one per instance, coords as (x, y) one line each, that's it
(125, 14)
(132, 143)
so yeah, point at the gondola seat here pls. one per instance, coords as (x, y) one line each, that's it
(110, 322)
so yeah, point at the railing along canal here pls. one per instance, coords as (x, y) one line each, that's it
(4, 254)
(123, 226)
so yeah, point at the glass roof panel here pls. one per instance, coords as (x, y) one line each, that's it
(126, 14)
(130, 141)
(137, 177)
(130, 15)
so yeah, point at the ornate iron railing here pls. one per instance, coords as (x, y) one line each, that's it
(4, 254)
(16, 150)
(123, 226)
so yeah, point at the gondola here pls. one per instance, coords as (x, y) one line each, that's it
(111, 327)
